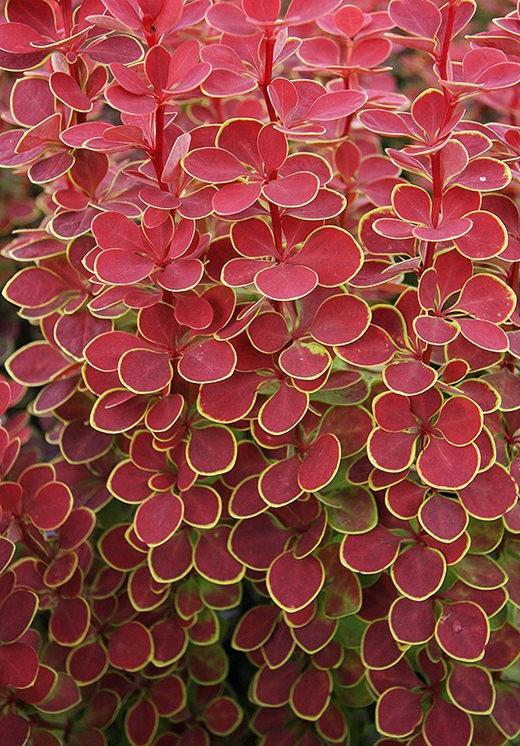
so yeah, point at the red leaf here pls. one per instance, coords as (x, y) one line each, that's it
(370, 552)
(130, 648)
(445, 721)
(272, 687)
(15, 728)
(379, 649)
(445, 466)
(17, 37)
(340, 320)
(207, 361)
(422, 19)
(70, 621)
(316, 251)
(16, 614)
(285, 281)
(234, 198)
(18, 665)
(491, 493)
(88, 662)
(222, 716)
(310, 694)
(471, 688)
(412, 204)
(33, 287)
(293, 583)
(141, 722)
(279, 482)
(411, 621)
(213, 165)
(121, 267)
(282, 411)
(173, 559)
(460, 421)
(158, 517)
(67, 90)
(335, 105)
(202, 507)
(211, 450)
(300, 11)
(442, 518)
(255, 627)
(264, 12)
(486, 239)
(419, 572)
(320, 464)
(398, 712)
(462, 631)
(51, 506)
(272, 146)
(392, 451)
(373, 348)
(212, 558)
(304, 360)
(295, 190)
(487, 298)
(145, 371)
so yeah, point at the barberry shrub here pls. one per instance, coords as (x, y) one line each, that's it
(260, 443)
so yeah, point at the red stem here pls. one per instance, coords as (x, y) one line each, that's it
(436, 206)
(276, 220)
(268, 74)
(348, 120)
(276, 223)
(158, 163)
(444, 55)
(159, 145)
(443, 59)
(435, 160)
(348, 124)
(68, 22)
(149, 33)
(429, 256)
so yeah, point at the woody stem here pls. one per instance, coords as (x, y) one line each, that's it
(350, 117)
(276, 223)
(159, 145)
(268, 75)
(444, 55)
(436, 205)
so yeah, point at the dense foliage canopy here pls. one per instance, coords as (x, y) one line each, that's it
(260, 443)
